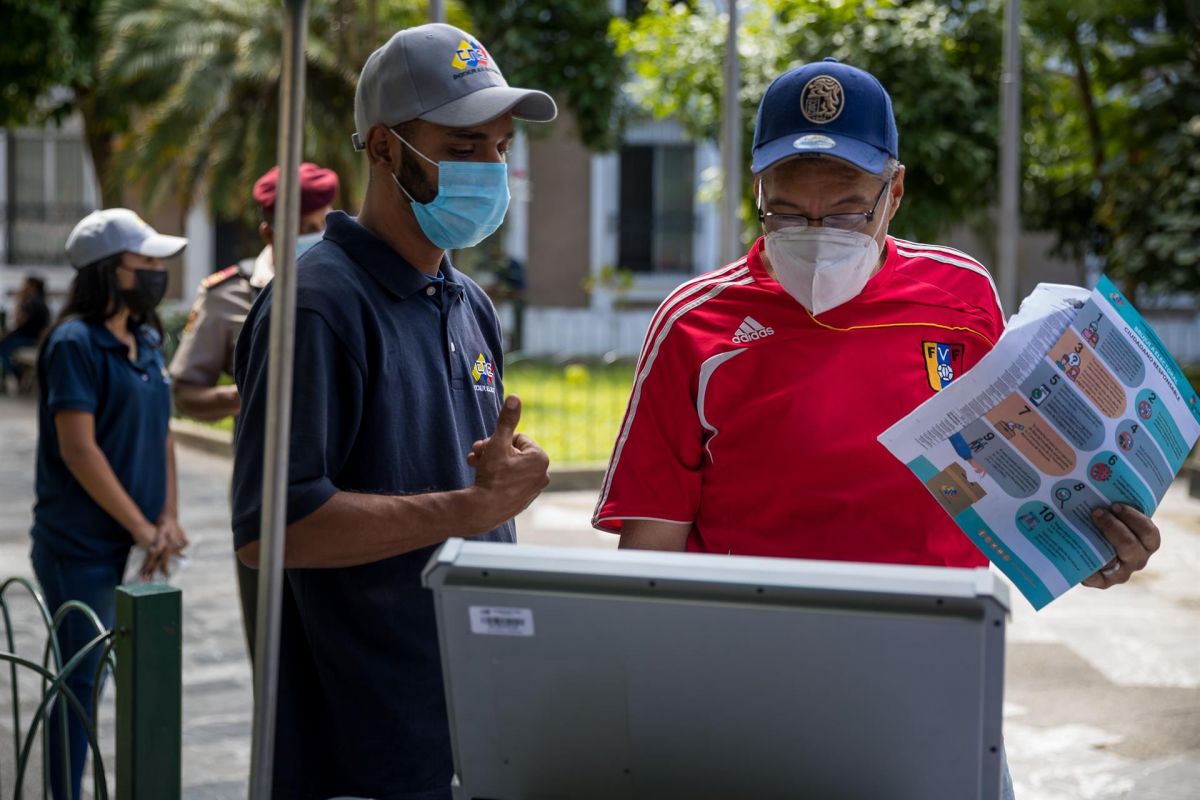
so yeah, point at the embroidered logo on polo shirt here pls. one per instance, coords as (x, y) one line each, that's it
(751, 330)
(943, 363)
(484, 374)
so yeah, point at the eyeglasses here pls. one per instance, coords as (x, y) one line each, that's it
(842, 222)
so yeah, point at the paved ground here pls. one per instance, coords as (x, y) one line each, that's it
(1103, 693)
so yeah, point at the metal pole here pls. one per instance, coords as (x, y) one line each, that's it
(731, 146)
(437, 11)
(279, 401)
(1009, 227)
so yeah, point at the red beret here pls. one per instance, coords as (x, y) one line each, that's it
(317, 188)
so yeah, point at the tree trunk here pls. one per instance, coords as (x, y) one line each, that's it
(1084, 82)
(99, 140)
(1087, 100)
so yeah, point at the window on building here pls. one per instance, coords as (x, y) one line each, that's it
(657, 215)
(47, 193)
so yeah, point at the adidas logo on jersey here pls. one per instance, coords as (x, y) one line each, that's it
(751, 330)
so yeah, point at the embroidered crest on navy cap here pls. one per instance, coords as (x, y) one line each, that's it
(822, 99)
(825, 109)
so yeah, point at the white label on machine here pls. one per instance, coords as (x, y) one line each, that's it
(498, 621)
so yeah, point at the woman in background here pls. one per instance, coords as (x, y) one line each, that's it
(106, 460)
(32, 319)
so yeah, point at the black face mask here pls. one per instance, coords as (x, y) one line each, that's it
(149, 291)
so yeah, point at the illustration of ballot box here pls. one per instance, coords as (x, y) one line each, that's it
(953, 490)
(581, 674)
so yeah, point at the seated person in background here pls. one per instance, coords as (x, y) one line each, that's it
(32, 318)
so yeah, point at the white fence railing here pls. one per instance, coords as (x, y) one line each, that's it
(584, 333)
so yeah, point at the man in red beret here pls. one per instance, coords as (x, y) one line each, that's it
(206, 348)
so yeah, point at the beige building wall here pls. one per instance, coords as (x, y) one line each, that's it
(559, 214)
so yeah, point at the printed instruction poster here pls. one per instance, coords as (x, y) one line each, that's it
(1079, 405)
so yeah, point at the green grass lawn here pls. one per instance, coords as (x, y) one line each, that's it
(572, 411)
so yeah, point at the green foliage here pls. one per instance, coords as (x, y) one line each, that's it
(938, 60)
(48, 70)
(46, 46)
(205, 77)
(1113, 135)
(560, 47)
(1152, 214)
(610, 277)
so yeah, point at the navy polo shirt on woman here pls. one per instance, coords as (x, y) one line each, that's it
(84, 367)
(396, 375)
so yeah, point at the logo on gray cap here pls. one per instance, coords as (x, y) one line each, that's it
(442, 75)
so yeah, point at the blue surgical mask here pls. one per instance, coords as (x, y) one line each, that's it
(471, 201)
(305, 241)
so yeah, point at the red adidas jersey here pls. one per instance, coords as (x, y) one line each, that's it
(756, 422)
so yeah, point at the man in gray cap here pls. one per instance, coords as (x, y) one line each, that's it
(401, 435)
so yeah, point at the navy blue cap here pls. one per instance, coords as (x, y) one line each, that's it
(827, 108)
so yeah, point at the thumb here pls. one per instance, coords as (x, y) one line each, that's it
(506, 425)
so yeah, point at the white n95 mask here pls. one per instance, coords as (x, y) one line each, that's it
(822, 268)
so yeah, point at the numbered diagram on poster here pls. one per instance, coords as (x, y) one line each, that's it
(1075, 501)
(1112, 477)
(1024, 428)
(998, 460)
(1099, 332)
(1134, 444)
(1075, 557)
(1081, 367)
(1055, 398)
(1078, 406)
(1162, 427)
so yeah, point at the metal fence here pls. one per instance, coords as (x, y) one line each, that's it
(144, 652)
(36, 232)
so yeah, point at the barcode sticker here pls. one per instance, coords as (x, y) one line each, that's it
(496, 621)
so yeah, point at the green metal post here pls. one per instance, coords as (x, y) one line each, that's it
(149, 644)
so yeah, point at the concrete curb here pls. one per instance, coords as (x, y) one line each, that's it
(202, 437)
(196, 435)
(576, 477)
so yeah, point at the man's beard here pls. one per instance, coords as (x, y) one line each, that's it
(413, 179)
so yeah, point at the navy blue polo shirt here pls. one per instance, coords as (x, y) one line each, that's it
(396, 375)
(84, 367)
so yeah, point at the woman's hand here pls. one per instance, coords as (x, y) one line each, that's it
(170, 540)
(150, 538)
(176, 540)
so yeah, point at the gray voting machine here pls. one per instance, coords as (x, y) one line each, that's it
(588, 674)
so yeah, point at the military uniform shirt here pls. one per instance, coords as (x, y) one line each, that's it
(206, 347)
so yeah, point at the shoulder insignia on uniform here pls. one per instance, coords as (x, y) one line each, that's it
(217, 278)
(191, 319)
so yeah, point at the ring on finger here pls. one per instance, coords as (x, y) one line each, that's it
(1113, 567)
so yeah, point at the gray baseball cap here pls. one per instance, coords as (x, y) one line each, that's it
(118, 230)
(442, 75)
